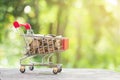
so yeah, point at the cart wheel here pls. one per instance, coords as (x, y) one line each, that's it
(55, 70)
(31, 67)
(59, 68)
(22, 69)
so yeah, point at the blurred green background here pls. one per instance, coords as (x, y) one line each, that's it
(92, 26)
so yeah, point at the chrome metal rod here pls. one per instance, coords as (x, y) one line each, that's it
(23, 59)
(49, 57)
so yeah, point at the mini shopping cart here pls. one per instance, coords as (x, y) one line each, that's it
(43, 45)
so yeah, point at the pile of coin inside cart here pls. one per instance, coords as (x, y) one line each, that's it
(46, 44)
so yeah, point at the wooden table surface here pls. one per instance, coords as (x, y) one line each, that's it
(66, 74)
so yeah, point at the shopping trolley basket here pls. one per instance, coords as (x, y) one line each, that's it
(43, 45)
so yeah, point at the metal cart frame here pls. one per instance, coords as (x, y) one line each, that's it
(56, 67)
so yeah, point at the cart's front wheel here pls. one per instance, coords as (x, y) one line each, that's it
(31, 67)
(22, 69)
(55, 70)
(59, 68)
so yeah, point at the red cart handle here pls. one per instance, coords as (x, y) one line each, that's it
(17, 25)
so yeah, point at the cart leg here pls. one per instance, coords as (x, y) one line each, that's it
(49, 58)
(22, 68)
(43, 58)
(23, 59)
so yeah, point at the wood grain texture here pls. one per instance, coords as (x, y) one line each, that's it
(66, 74)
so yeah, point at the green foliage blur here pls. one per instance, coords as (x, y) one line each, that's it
(92, 26)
